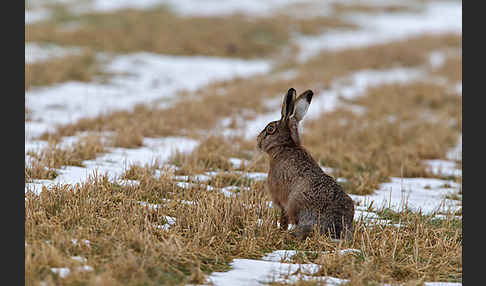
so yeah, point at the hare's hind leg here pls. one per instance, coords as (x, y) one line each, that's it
(305, 223)
(337, 227)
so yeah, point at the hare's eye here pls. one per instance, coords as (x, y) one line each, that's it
(270, 129)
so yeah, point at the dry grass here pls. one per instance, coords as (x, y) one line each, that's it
(126, 247)
(83, 67)
(451, 69)
(411, 52)
(127, 138)
(212, 154)
(341, 8)
(42, 164)
(160, 31)
(28, 114)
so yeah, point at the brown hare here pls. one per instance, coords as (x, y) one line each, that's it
(305, 195)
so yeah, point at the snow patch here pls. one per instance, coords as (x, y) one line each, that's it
(456, 152)
(170, 221)
(437, 59)
(439, 17)
(115, 163)
(40, 52)
(79, 259)
(443, 167)
(230, 191)
(139, 78)
(418, 194)
(246, 272)
(63, 272)
(76, 242)
(36, 15)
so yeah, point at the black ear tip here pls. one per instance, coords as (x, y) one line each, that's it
(291, 90)
(309, 95)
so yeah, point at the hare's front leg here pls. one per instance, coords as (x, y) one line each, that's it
(284, 220)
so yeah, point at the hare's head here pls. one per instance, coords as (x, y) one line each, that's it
(285, 131)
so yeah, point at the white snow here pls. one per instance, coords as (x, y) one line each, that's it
(458, 88)
(307, 8)
(418, 194)
(249, 7)
(192, 7)
(39, 52)
(199, 178)
(140, 78)
(185, 202)
(279, 255)
(149, 205)
(365, 215)
(285, 255)
(274, 268)
(187, 185)
(237, 162)
(105, 6)
(36, 15)
(170, 221)
(439, 17)
(230, 191)
(247, 272)
(442, 284)
(437, 59)
(75, 242)
(443, 167)
(456, 152)
(255, 175)
(79, 259)
(117, 161)
(63, 272)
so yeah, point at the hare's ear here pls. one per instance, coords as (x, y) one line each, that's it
(288, 104)
(302, 104)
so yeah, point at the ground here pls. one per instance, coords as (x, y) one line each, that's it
(140, 136)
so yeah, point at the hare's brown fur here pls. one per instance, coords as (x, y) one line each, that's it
(306, 195)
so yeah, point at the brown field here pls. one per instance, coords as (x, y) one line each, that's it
(451, 69)
(84, 67)
(126, 247)
(363, 8)
(42, 165)
(160, 31)
(225, 99)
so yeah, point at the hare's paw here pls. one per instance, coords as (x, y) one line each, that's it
(284, 221)
(301, 232)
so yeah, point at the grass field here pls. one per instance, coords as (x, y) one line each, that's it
(141, 123)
